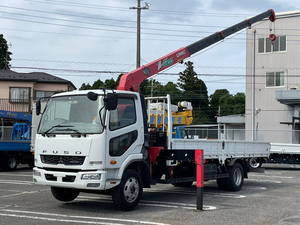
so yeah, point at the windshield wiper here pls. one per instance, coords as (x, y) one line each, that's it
(71, 129)
(59, 125)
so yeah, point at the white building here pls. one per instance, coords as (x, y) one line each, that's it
(277, 80)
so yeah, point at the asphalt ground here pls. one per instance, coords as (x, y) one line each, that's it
(269, 198)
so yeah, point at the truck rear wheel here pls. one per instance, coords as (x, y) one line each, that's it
(222, 183)
(128, 193)
(235, 180)
(64, 194)
(254, 163)
(9, 162)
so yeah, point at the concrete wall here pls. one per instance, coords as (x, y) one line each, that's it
(270, 113)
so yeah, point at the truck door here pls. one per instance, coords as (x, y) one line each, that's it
(124, 133)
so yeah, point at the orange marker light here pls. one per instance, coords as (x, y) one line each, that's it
(113, 162)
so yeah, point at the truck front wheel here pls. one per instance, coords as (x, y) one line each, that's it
(64, 194)
(128, 193)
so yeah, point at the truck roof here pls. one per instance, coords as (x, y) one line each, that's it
(97, 91)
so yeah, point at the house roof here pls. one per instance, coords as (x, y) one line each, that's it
(40, 77)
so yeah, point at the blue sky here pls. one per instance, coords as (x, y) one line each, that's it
(100, 35)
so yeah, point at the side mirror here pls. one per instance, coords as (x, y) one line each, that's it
(110, 101)
(92, 96)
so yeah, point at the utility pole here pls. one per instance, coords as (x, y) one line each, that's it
(253, 88)
(138, 32)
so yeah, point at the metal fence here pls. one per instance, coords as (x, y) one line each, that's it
(264, 135)
(15, 105)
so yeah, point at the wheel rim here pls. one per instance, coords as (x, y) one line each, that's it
(12, 163)
(253, 163)
(237, 176)
(131, 189)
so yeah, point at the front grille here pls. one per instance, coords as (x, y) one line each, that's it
(68, 178)
(50, 177)
(62, 159)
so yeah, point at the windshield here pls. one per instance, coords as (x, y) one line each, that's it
(72, 114)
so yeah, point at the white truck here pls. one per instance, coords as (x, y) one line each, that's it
(99, 141)
(284, 153)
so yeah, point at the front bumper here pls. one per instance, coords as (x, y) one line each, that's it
(69, 179)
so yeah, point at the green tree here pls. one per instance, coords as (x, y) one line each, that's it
(99, 84)
(151, 85)
(195, 91)
(215, 101)
(110, 84)
(4, 54)
(85, 87)
(232, 104)
(173, 90)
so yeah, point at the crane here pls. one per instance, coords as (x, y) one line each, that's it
(132, 80)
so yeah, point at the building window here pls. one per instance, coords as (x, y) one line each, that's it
(19, 95)
(265, 45)
(282, 42)
(274, 79)
(43, 94)
(261, 45)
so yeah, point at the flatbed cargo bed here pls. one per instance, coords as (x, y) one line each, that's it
(17, 146)
(222, 150)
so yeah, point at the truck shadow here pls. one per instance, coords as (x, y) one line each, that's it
(18, 169)
(169, 198)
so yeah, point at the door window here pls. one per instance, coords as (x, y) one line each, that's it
(124, 115)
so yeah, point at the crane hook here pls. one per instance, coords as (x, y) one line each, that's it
(272, 37)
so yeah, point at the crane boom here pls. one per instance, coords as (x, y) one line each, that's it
(132, 80)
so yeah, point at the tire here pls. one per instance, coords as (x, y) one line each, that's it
(183, 184)
(254, 163)
(236, 177)
(64, 194)
(235, 180)
(128, 193)
(222, 183)
(11, 162)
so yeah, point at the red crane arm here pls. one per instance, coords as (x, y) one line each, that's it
(132, 80)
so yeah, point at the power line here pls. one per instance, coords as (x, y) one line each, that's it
(94, 28)
(72, 62)
(96, 6)
(130, 21)
(131, 64)
(110, 25)
(123, 72)
(80, 5)
(102, 24)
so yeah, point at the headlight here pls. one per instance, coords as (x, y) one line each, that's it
(91, 176)
(36, 173)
